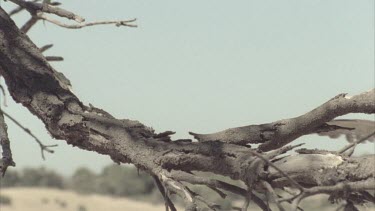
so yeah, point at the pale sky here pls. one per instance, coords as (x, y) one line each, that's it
(204, 66)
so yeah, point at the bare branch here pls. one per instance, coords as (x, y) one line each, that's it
(16, 10)
(273, 194)
(46, 47)
(54, 58)
(38, 10)
(81, 25)
(247, 201)
(181, 190)
(213, 184)
(276, 134)
(19, 8)
(34, 7)
(322, 169)
(168, 202)
(30, 23)
(3, 94)
(352, 129)
(50, 58)
(41, 145)
(355, 143)
(126, 141)
(193, 179)
(7, 159)
(368, 184)
(277, 168)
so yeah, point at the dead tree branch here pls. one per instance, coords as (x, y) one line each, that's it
(30, 23)
(19, 8)
(54, 58)
(45, 47)
(128, 23)
(38, 11)
(355, 143)
(46, 93)
(7, 159)
(164, 193)
(42, 146)
(34, 7)
(351, 129)
(277, 134)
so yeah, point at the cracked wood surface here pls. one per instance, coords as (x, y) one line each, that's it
(34, 83)
(276, 134)
(46, 93)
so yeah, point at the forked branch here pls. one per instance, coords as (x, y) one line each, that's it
(46, 93)
(42, 146)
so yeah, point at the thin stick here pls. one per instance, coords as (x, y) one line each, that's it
(7, 159)
(78, 26)
(30, 23)
(54, 58)
(278, 169)
(247, 200)
(4, 96)
(163, 191)
(46, 47)
(355, 143)
(42, 146)
(273, 194)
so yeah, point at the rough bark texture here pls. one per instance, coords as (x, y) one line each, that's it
(277, 134)
(46, 93)
(324, 169)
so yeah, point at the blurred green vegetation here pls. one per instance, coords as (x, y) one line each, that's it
(118, 181)
(5, 201)
(115, 180)
(124, 181)
(31, 177)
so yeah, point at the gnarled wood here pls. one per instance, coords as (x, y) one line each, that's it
(46, 93)
(277, 134)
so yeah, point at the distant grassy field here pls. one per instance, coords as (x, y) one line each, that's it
(44, 199)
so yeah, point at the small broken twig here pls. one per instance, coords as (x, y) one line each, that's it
(42, 146)
(54, 58)
(45, 47)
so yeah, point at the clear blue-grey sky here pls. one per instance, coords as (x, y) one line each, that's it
(204, 66)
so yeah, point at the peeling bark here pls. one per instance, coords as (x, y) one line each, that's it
(324, 169)
(46, 93)
(277, 134)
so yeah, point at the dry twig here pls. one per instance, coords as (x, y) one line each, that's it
(353, 144)
(7, 159)
(45, 47)
(41, 145)
(34, 7)
(128, 23)
(129, 141)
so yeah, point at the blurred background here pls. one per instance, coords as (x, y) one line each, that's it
(189, 66)
(115, 188)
